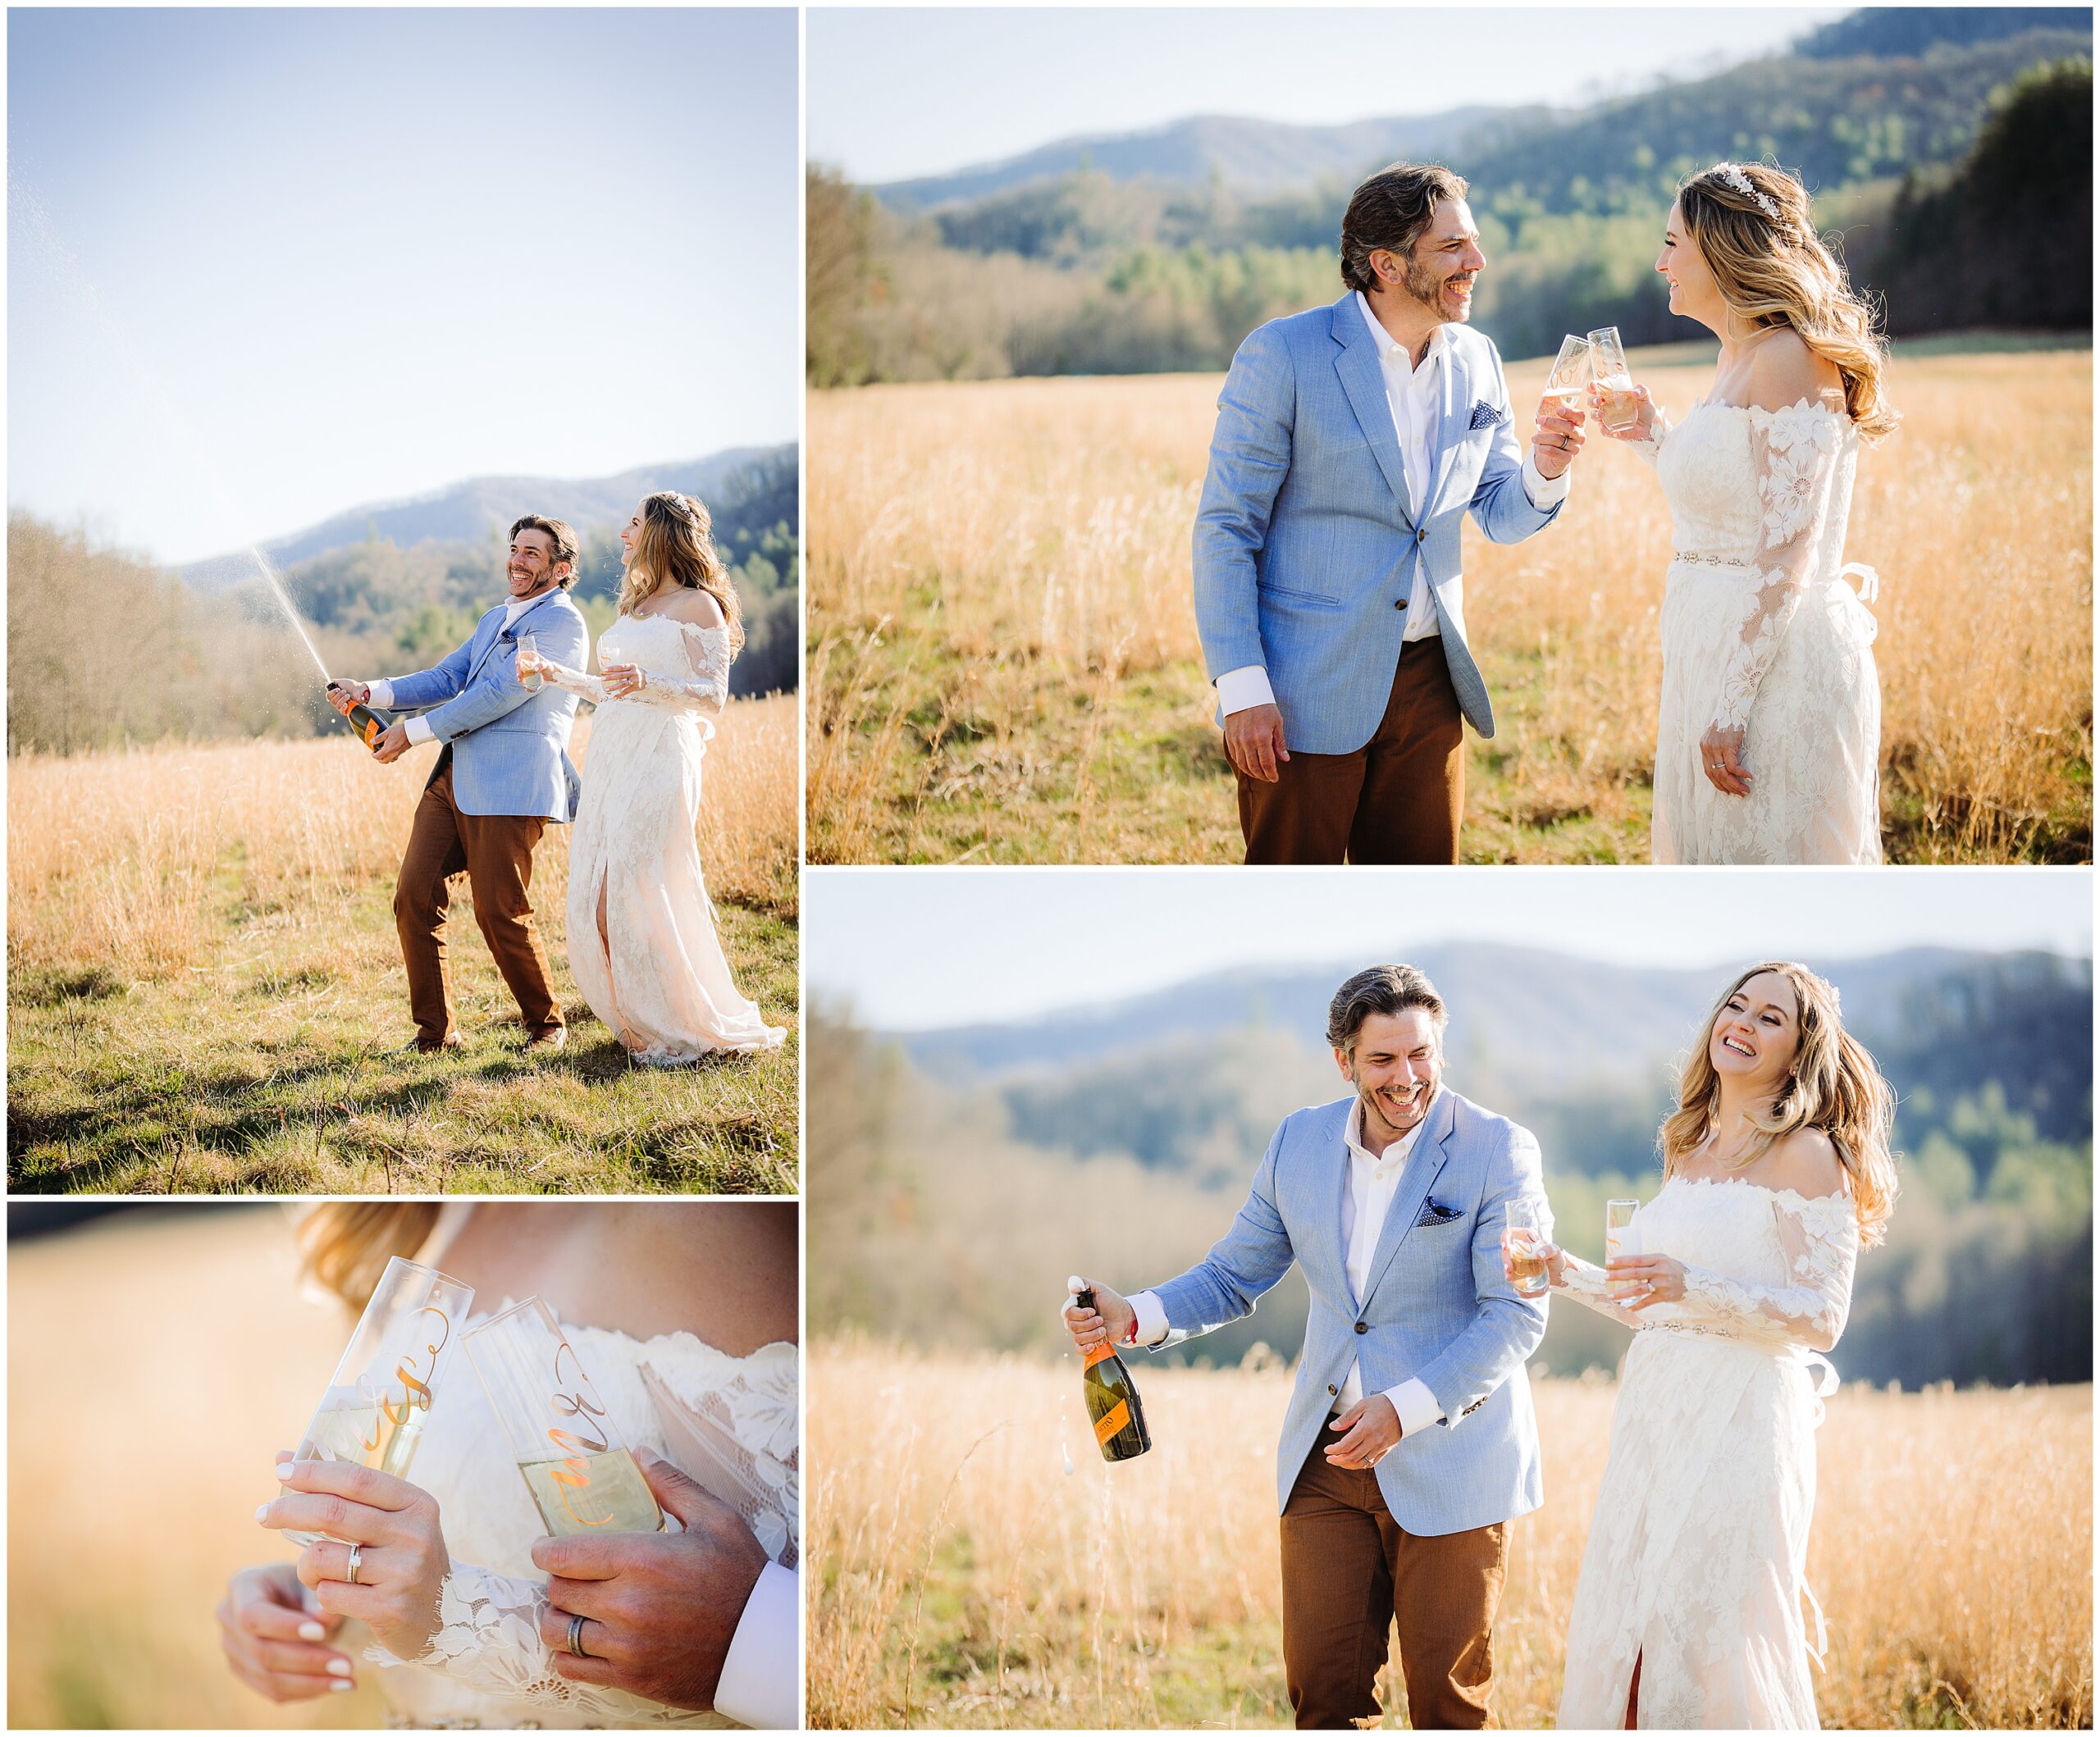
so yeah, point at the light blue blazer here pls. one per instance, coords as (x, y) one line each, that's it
(1306, 537)
(1437, 1308)
(510, 748)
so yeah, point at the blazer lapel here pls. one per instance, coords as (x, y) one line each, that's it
(1449, 434)
(1423, 1164)
(1356, 362)
(496, 638)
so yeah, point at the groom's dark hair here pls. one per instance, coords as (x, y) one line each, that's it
(563, 540)
(1383, 989)
(1390, 211)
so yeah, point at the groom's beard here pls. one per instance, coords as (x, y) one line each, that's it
(1395, 1120)
(1424, 285)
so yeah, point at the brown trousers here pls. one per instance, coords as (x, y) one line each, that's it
(1398, 799)
(495, 852)
(1349, 1572)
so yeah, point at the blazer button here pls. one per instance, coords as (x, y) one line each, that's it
(1332, 1388)
(1364, 1326)
(1400, 603)
(1422, 536)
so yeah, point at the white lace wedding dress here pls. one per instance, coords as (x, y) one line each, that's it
(653, 968)
(1696, 1562)
(1761, 632)
(730, 1423)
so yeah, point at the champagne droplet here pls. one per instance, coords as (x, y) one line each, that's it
(1067, 1454)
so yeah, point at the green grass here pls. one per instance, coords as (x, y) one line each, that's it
(276, 1069)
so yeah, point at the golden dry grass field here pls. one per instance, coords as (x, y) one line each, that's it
(205, 992)
(962, 1573)
(1004, 661)
(154, 1366)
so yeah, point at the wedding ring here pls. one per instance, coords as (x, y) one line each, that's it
(576, 1637)
(357, 1558)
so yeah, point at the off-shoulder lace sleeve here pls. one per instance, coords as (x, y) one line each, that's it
(1650, 444)
(1794, 455)
(703, 686)
(590, 687)
(1586, 1283)
(1821, 1239)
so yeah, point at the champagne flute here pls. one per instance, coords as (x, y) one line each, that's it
(580, 1474)
(1571, 372)
(373, 1412)
(528, 651)
(1621, 1237)
(1522, 1248)
(1620, 409)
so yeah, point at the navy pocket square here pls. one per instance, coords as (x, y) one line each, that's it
(1434, 1212)
(1484, 416)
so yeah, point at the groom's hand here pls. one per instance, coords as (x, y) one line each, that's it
(1109, 1321)
(1253, 742)
(1557, 439)
(392, 744)
(658, 1608)
(1370, 1429)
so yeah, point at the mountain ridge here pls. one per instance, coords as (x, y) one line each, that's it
(471, 508)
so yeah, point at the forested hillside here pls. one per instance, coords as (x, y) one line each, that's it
(1912, 127)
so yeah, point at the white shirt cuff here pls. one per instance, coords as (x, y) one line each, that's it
(1152, 1318)
(760, 1677)
(1417, 1407)
(418, 730)
(1238, 690)
(1544, 491)
(382, 695)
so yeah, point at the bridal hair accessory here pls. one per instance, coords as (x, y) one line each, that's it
(1733, 173)
(357, 1560)
(576, 1637)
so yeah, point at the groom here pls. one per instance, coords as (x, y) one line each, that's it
(1351, 443)
(503, 774)
(1409, 1445)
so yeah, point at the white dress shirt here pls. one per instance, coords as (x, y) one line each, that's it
(761, 1673)
(1414, 398)
(1372, 1183)
(417, 728)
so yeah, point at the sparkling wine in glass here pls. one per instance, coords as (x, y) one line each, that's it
(1620, 409)
(1523, 1247)
(1570, 373)
(580, 1476)
(529, 648)
(1621, 1236)
(373, 1412)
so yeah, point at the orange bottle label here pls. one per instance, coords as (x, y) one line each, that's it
(1094, 1354)
(1112, 1422)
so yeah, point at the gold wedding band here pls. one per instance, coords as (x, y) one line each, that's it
(357, 1560)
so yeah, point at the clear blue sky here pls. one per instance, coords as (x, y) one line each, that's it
(918, 947)
(904, 92)
(361, 254)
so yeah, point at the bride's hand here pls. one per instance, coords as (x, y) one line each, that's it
(1662, 1278)
(272, 1638)
(1643, 425)
(1720, 758)
(402, 1561)
(622, 679)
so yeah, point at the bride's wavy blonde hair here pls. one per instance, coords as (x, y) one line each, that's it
(1772, 269)
(344, 1245)
(1835, 1087)
(676, 546)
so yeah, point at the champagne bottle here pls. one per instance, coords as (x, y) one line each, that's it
(368, 724)
(1112, 1396)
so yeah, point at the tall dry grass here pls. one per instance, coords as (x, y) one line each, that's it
(114, 857)
(962, 1576)
(999, 607)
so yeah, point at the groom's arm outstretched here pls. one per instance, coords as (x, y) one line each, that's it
(1519, 494)
(1220, 1288)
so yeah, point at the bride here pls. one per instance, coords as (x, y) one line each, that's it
(641, 939)
(1768, 748)
(1776, 1167)
(700, 1374)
